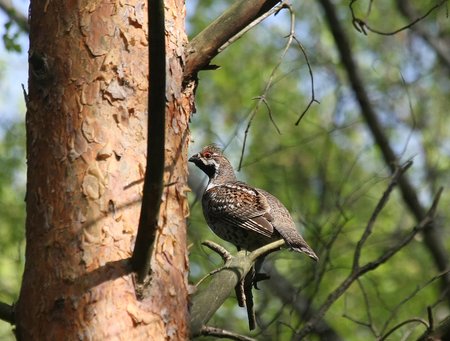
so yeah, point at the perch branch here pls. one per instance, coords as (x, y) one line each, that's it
(153, 183)
(207, 300)
(205, 46)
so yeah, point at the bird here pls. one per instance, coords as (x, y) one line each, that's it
(245, 216)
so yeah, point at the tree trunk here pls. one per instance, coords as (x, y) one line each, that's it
(86, 146)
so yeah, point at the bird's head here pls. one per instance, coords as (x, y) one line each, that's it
(208, 159)
(212, 161)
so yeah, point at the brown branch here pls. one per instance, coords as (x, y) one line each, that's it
(439, 45)
(223, 334)
(153, 183)
(313, 99)
(441, 332)
(357, 272)
(254, 23)
(419, 288)
(206, 301)
(401, 324)
(381, 203)
(432, 237)
(262, 97)
(361, 26)
(7, 313)
(15, 15)
(205, 46)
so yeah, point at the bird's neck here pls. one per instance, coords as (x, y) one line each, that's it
(224, 173)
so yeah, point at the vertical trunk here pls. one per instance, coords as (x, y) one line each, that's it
(86, 143)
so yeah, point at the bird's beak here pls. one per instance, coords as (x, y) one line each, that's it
(194, 158)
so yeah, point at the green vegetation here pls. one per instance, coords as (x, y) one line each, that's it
(328, 170)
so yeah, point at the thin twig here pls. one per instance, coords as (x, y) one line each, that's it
(269, 82)
(361, 26)
(408, 298)
(381, 203)
(370, 266)
(313, 99)
(401, 324)
(224, 253)
(224, 334)
(432, 237)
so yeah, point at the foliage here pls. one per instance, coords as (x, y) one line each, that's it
(10, 38)
(329, 168)
(12, 214)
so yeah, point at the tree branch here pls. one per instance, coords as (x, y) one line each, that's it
(359, 271)
(206, 301)
(15, 15)
(284, 290)
(205, 46)
(432, 237)
(7, 313)
(439, 45)
(223, 334)
(362, 26)
(153, 183)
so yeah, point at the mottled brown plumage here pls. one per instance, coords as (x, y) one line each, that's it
(245, 216)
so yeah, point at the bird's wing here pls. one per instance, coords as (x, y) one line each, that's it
(240, 205)
(285, 226)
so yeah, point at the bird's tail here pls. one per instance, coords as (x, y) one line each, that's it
(298, 244)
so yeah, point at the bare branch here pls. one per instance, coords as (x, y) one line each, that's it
(408, 298)
(360, 271)
(206, 301)
(153, 183)
(205, 46)
(311, 77)
(361, 26)
(223, 334)
(381, 203)
(432, 237)
(224, 253)
(401, 324)
(265, 91)
(441, 332)
(283, 289)
(440, 45)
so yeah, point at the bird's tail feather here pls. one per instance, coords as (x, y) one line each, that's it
(298, 244)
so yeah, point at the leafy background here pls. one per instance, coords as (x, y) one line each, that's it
(327, 170)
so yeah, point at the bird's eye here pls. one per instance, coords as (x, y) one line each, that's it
(207, 155)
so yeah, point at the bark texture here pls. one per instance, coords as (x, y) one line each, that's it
(86, 143)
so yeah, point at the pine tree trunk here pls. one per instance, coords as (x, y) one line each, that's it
(86, 150)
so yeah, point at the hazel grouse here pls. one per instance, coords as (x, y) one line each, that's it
(245, 216)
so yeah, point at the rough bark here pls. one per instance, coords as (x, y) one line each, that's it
(86, 143)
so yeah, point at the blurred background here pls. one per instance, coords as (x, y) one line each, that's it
(329, 169)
